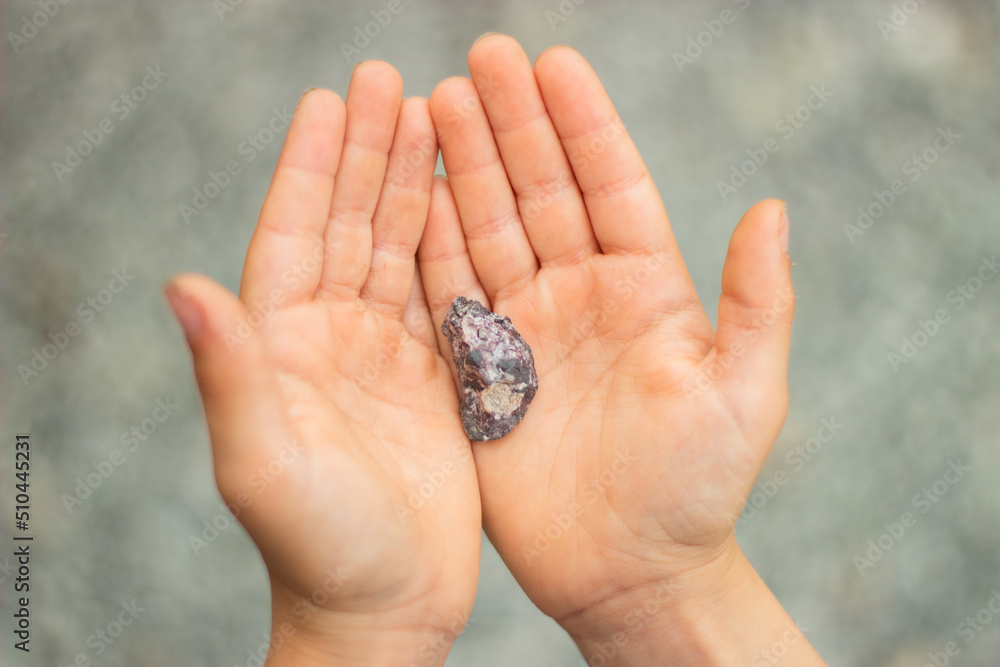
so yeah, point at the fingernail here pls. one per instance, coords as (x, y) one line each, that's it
(783, 227)
(187, 312)
(306, 93)
(485, 34)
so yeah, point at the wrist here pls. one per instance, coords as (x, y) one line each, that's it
(304, 635)
(354, 647)
(722, 614)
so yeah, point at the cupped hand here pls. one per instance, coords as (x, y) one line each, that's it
(649, 426)
(332, 414)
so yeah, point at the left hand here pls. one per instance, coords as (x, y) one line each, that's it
(333, 416)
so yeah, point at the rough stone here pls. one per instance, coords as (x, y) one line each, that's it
(496, 371)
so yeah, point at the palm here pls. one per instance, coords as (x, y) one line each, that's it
(357, 386)
(618, 475)
(613, 427)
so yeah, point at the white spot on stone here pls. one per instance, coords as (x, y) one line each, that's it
(498, 398)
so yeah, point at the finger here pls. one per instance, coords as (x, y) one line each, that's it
(402, 210)
(755, 319)
(446, 269)
(548, 199)
(373, 101)
(497, 242)
(238, 384)
(286, 252)
(624, 205)
(417, 316)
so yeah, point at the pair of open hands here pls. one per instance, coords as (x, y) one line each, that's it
(334, 419)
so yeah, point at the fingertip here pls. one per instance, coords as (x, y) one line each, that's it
(756, 264)
(490, 47)
(769, 209)
(768, 212)
(566, 79)
(374, 83)
(187, 310)
(378, 68)
(415, 100)
(315, 133)
(320, 97)
(206, 310)
(322, 105)
(441, 98)
(441, 184)
(486, 34)
(415, 146)
(417, 108)
(557, 57)
(306, 92)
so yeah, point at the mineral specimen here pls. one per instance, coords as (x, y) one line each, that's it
(496, 372)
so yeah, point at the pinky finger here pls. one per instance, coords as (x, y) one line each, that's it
(446, 268)
(417, 317)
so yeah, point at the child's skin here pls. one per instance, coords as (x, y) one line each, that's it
(613, 502)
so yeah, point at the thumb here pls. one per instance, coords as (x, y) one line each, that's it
(238, 383)
(755, 320)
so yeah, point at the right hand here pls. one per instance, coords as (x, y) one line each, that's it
(621, 486)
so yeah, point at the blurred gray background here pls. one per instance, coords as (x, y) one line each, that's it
(893, 77)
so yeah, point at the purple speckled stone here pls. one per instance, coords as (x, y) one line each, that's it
(496, 372)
